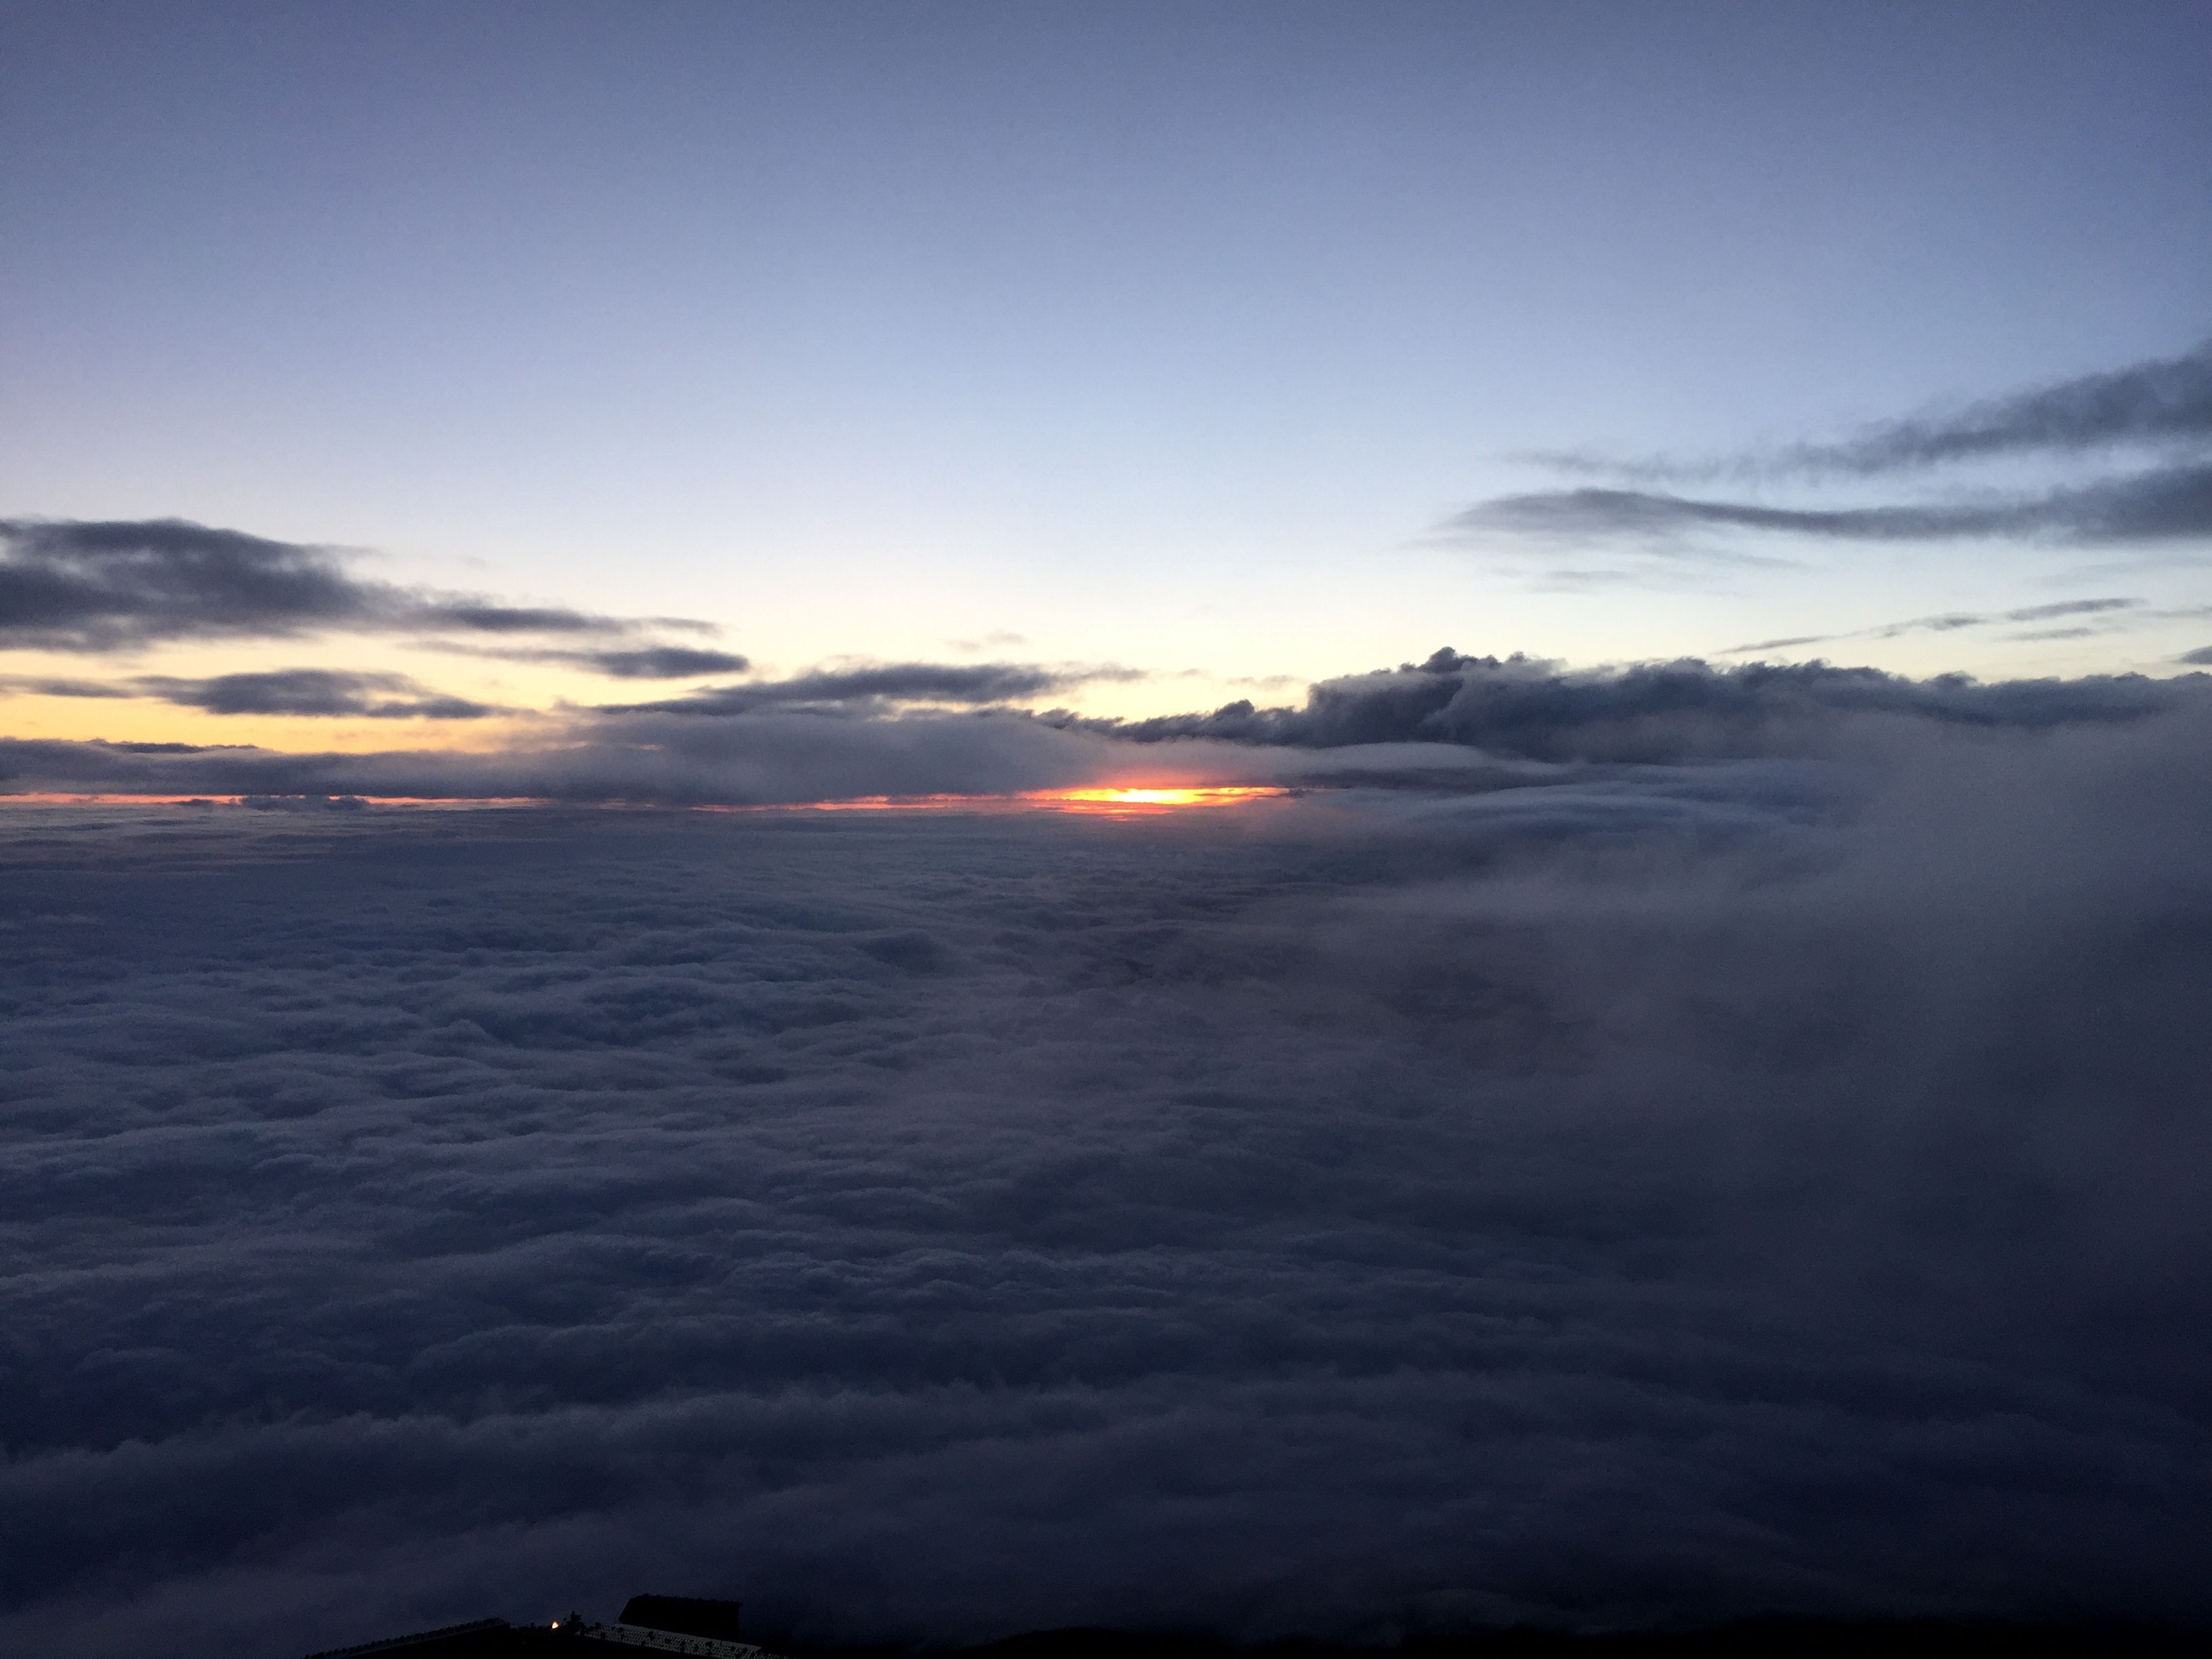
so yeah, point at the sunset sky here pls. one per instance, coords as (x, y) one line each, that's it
(1188, 343)
(1319, 822)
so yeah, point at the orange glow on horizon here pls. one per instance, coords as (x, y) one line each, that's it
(90, 798)
(1160, 800)
(1116, 802)
(1119, 802)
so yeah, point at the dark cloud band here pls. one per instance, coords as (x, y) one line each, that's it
(656, 662)
(1514, 709)
(2165, 504)
(114, 585)
(314, 692)
(2166, 403)
(885, 684)
(1518, 706)
(2162, 400)
(298, 691)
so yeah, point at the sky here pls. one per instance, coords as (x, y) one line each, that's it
(1289, 821)
(1190, 343)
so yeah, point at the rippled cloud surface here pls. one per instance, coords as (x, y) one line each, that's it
(1593, 1196)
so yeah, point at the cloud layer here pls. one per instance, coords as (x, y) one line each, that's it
(885, 685)
(789, 741)
(1584, 1193)
(1660, 712)
(776, 756)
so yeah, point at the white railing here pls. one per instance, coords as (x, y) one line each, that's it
(662, 1641)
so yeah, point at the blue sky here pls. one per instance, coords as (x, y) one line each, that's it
(1156, 336)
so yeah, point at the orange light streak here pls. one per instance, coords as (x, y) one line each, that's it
(47, 798)
(1114, 803)
(81, 797)
(1147, 800)
(1117, 802)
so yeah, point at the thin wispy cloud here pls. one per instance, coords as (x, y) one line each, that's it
(2166, 404)
(2162, 401)
(314, 692)
(2165, 504)
(657, 662)
(887, 683)
(999, 641)
(40, 685)
(1954, 621)
(318, 692)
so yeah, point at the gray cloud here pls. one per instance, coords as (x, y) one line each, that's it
(1611, 1197)
(2202, 655)
(1662, 712)
(2167, 402)
(102, 587)
(2167, 503)
(663, 662)
(773, 756)
(2164, 400)
(313, 691)
(794, 745)
(1955, 620)
(886, 683)
(2068, 608)
(656, 662)
(44, 686)
(317, 691)
(998, 641)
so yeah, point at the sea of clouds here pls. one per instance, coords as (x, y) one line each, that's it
(1664, 1184)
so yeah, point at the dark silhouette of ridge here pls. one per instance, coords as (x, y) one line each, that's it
(691, 1615)
(649, 1625)
(1753, 1639)
(693, 1624)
